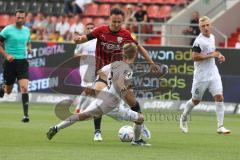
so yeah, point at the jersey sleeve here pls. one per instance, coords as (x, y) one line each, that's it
(4, 33)
(95, 33)
(29, 36)
(197, 47)
(78, 49)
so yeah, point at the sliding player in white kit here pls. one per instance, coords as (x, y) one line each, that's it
(119, 78)
(206, 75)
(86, 51)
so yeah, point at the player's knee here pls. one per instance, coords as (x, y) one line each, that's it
(8, 91)
(23, 89)
(218, 98)
(136, 107)
(195, 102)
(140, 119)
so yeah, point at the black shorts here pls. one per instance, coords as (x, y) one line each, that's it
(17, 69)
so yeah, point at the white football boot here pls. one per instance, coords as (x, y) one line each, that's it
(183, 124)
(98, 136)
(223, 130)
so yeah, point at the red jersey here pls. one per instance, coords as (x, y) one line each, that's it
(109, 44)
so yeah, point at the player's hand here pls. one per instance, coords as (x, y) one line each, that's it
(77, 39)
(163, 69)
(221, 58)
(155, 68)
(216, 54)
(9, 58)
(29, 50)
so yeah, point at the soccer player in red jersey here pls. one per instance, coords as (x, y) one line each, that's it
(110, 40)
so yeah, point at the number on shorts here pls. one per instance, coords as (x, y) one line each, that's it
(197, 91)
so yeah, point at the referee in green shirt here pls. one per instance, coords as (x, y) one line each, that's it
(14, 46)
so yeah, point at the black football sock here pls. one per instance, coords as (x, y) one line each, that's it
(97, 124)
(25, 99)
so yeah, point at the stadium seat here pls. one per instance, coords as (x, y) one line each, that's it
(11, 19)
(180, 2)
(11, 7)
(153, 40)
(87, 20)
(145, 1)
(158, 1)
(23, 5)
(104, 10)
(153, 11)
(4, 20)
(91, 9)
(131, 1)
(46, 8)
(165, 12)
(35, 7)
(99, 21)
(170, 2)
(3, 6)
(58, 9)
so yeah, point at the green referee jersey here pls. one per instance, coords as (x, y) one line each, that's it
(15, 41)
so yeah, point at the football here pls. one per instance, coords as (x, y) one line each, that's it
(126, 133)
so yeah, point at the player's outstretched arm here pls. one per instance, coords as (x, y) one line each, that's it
(154, 68)
(200, 57)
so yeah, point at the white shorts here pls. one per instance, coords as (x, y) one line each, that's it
(87, 75)
(106, 101)
(199, 88)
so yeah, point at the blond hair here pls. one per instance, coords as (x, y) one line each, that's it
(203, 19)
(129, 50)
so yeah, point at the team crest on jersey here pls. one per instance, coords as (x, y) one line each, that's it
(127, 74)
(119, 39)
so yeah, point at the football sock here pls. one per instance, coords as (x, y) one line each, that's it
(97, 123)
(220, 113)
(25, 99)
(137, 128)
(68, 122)
(188, 108)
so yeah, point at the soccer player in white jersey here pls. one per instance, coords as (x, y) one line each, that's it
(119, 80)
(86, 51)
(206, 75)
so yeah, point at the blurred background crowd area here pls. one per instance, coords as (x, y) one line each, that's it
(59, 20)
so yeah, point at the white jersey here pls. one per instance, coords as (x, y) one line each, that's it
(87, 74)
(118, 71)
(205, 70)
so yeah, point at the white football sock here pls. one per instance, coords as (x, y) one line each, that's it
(137, 128)
(220, 113)
(68, 122)
(188, 108)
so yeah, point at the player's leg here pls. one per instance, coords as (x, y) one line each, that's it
(84, 100)
(99, 85)
(23, 85)
(130, 99)
(9, 77)
(88, 113)
(22, 77)
(125, 113)
(198, 90)
(216, 90)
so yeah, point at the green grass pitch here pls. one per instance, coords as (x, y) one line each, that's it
(19, 141)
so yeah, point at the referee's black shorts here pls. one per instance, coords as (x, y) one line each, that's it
(17, 69)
